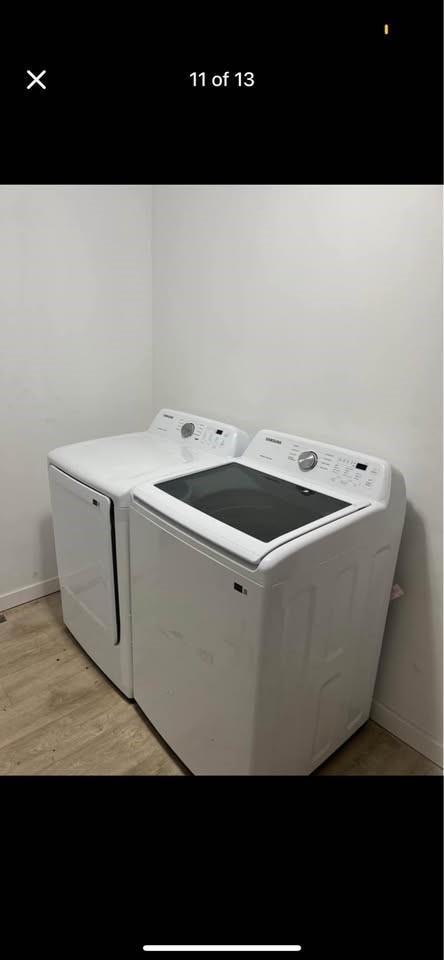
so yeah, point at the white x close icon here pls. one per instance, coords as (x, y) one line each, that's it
(36, 79)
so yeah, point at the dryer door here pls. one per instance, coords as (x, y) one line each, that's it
(85, 549)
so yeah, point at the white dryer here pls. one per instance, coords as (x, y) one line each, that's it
(260, 590)
(90, 485)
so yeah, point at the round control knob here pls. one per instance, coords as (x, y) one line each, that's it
(187, 430)
(307, 460)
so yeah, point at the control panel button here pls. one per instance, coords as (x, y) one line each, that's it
(187, 430)
(307, 460)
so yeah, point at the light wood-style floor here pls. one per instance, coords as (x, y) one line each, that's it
(60, 715)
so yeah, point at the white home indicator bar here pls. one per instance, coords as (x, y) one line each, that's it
(243, 948)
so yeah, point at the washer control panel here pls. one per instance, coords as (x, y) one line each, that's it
(347, 471)
(195, 431)
(321, 464)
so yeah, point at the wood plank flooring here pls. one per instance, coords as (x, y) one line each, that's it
(60, 715)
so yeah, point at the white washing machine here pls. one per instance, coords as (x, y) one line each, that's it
(260, 590)
(90, 485)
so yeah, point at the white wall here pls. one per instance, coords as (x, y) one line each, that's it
(318, 310)
(75, 324)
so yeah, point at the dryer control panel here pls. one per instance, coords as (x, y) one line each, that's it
(222, 438)
(321, 464)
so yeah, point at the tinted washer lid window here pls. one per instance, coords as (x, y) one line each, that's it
(256, 503)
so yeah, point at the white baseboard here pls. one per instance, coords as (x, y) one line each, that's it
(25, 594)
(413, 736)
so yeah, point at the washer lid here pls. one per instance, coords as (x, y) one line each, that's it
(246, 511)
(260, 505)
